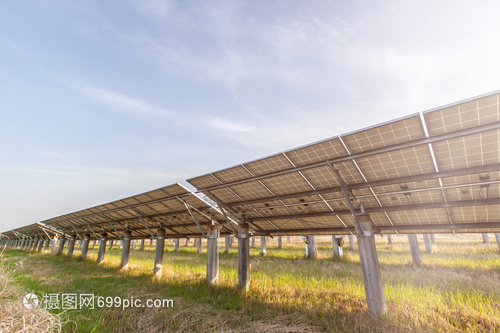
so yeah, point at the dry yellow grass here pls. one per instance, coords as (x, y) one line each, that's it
(14, 316)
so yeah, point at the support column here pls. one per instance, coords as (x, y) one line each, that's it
(35, 245)
(279, 242)
(288, 239)
(212, 254)
(198, 245)
(337, 247)
(485, 238)
(102, 248)
(134, 243)
(176, 244)
(253, 241)
(30, 245)
(46, 246)
(54, 246)
(141, 248)
(497, 236)
(415, 250)
(372, 281)
(160, 249)
(351, 242)
(311, 248)
(40, 245)
(71, 246)
(243, 257)
(263, 251)
(93, 244)
(389, 239)
(125, 249)
(62, 241)
(85, 246)
(226, 244)
(187, 241)
(428, 244)
(433, 238)
(111, 243)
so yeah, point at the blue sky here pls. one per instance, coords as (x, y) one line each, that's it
(105, 99)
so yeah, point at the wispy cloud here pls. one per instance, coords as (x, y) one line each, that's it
(230, 126)
(125, 104)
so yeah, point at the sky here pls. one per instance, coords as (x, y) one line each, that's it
(100, 100)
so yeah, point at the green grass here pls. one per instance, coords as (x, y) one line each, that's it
(456, 289)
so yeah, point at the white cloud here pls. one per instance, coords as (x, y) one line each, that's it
(230, 126)
(124, 104)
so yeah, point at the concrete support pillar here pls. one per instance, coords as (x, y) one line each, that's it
(227, 240)
(497, 236)
(415, 250)
(253, 241)
(151, 241)
(160, 249)
(372, 281)
(111, 243)
(71, 246)
(141, 248)
(21, 247)
(62, 241)
(30, 245)
(176, 244)
(428, 244)
(351, 242)
(53, 250)
(46, 246)
(311, 248)
(187, 241)
(198, 245)
(93, 244)
(288, 239)
(85, 246)
(125, 249)
(35, 245)
(40, 245)
(279, 242)
(134, 243)
(243, 257)
(79, 244)
(102, 248)
(337, 248)
(263, 251)
(389, 239)
(212, 254)
(433, 238)
(485, 238)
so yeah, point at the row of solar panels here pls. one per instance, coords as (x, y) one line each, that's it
(437, 171)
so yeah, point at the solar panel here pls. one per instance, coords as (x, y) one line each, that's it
(165, 207)
(426, 172)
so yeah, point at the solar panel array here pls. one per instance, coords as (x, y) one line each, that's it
(173, 207)
(431, 172)
(438, 171)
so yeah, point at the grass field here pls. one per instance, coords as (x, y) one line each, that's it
(457, 289)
